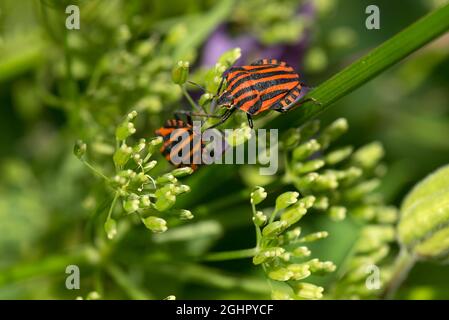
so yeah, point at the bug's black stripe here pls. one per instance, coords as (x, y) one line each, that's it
(244, 100)
(255, 107)
(268, 96)
(260, 86)
(258, 76)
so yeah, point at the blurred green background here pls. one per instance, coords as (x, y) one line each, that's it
(58, 85)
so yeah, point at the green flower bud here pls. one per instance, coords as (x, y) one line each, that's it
(122, 155)
(131, 204)
(124, 130)
(326, 181)
(291, 138)
(306, 202)
(301, 252)
(387, 215)
(281, 274)
(150, 165)
(144, 201)
(205, 98)
(268, 254)
(110, 226)
(182, 172)
(230, 57)
(155, 224)
(93, 295)
(369, 155)
(308, 291)
(309, 166)
(300, 271)
(293, 215)
(168, 177)
(273, 229)
(286, 199)
(333, 132)
(361, 190)
(337, 213)
(423, 226)
(321, 203)
(259, 219)
(375, 236)
(339, 155)
(307, 181)
(315, 236)
(305, 150)
(181, 189)
(180, 72)
(165, 201)
(258, 195)
(317, 266)
(185, 214)
(280, 295)
(80, 148)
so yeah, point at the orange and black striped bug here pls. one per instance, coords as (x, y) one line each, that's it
(182, 146)
(266, 84)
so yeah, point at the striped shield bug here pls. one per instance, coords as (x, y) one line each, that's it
(182, 146)
(267, 84)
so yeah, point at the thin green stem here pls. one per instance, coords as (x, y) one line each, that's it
(403, 264)
(258, 231)
(111, 209)
(95, 170)
(366, 68)
(189, 98)
(127, 283)
(273, 216)
(231, 255)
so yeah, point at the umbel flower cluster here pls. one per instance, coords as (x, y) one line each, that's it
(281, 249)
(343, 182)
(150, 197)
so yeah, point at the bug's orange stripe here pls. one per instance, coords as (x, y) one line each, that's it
(247, 74)
(179, 146)
(245, 107)
(268, 103)
(244, 95)
(253, 82)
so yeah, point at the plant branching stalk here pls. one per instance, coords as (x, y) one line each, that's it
(403, 264)
(231, 255)
(369, 66)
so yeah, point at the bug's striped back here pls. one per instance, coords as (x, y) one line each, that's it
(261, 86)
(182, 143)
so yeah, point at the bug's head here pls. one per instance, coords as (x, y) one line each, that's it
(225, 100)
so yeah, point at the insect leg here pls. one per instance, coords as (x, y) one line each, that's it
(250, 120)
(224, 117)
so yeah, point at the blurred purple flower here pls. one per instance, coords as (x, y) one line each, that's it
(252, 49)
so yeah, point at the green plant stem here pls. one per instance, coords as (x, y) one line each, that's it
(127, 283)
(189, 98)
(95, 170)
(111, 209)
(403, 264)
(231, 255)
(369, 66)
